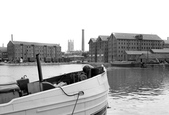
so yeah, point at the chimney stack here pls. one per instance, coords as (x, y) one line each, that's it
(11, 37)
(83, 40)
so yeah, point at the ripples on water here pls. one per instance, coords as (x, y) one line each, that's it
(139, 90)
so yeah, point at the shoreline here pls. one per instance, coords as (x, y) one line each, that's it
(61, 63)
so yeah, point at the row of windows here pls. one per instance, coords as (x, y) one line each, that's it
(31, 55)
(31, 51)
(128, 47)
(20, 49)
(120, 55)
(135, 40)
(121, 43)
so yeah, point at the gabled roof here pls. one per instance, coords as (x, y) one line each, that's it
(103, 37)
(34, 43)
(92, 40)
(133, 36)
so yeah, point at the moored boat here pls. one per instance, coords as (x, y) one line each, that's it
(77, 93)
(125, 64)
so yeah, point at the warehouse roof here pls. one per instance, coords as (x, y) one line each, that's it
(33, 43)
(164, 50)
(153, 56)
(136, 52)
(103, 37)
(92, 40)
(133, 36)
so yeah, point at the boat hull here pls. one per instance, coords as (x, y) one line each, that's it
(55, 101)
(125, 64)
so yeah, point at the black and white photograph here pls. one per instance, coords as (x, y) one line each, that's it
(84, 57)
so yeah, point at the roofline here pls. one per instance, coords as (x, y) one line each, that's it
(34, 43)
(113, 33)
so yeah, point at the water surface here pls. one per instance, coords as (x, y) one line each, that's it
(139, 91)
(16, 72)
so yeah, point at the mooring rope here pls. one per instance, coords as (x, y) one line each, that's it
(78, 94)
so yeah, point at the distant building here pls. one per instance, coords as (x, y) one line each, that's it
(73, 56)
(70, 45)
(166, 43)
(118, 43)
(3, 54)
(134, 55)
(98, 49)
(92, 50)
(27, 51)
(121, 46)
(102, 49)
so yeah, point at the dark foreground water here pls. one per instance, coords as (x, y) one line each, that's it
(133, 91)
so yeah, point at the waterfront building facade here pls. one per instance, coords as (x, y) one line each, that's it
(92, 50)
(118, 46)
(98, 49)
(134, 55)
(102, 49)
(120, 42)
(3, 54)
(26, 51)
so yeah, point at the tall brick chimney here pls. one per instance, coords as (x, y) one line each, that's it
(11, 37)
(83, 47)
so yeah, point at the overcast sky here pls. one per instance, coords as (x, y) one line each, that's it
(57, 21)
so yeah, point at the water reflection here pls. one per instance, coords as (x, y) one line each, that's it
(138, 83)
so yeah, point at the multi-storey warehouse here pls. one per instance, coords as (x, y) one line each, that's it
(27, 51)
(92, 50)
(98, 49)
(117, 44)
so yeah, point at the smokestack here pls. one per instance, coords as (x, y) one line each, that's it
(11, 37)
(2, 44)
(83, 40)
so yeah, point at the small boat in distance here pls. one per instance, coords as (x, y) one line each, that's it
(78, 93)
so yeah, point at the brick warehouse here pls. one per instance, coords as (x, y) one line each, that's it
(114, 47)
(98, 49)
(27, 51)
